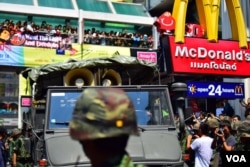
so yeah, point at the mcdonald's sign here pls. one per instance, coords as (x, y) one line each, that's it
(208, 13)
(238, 90)
(199, 56)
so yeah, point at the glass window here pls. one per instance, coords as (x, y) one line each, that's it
(152, 107)
(21, 2)
(8, 99)
(12, 17)
(93, 5)
(130, 9)
(65, 4)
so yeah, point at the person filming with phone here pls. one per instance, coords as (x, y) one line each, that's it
(223, 139)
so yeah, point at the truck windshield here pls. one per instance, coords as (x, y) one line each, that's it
(152, 107)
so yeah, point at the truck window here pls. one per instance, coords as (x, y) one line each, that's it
(151, 107)
(61, 108)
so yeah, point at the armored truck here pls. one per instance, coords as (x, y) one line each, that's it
(55, 88)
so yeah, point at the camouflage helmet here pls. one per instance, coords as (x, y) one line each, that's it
(196, 126)
(16, 132)
(235, 125)
(213, 123)
(102, 113)
(227, 118)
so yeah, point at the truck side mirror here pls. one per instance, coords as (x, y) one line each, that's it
(180, 91)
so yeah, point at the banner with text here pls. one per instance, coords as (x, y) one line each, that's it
(32, 56)
(216, 90)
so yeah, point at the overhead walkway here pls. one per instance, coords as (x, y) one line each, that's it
(70, 9)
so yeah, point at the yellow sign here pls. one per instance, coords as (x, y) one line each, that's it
(208, 12)
(40, 56)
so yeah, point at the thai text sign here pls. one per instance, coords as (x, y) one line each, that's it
(216, 90)
(197, 55)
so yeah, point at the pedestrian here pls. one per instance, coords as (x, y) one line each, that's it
(20, 156)
(201, 146)
(102, 121)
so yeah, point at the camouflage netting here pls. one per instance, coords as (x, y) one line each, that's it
(132, 71)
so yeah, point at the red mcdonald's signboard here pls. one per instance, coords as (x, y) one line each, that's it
(199, 56)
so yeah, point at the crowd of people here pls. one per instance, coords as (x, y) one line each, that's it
(123, 38)
(90, 36)
(32, 27)
(208, 136)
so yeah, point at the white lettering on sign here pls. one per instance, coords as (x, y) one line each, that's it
(214, 90)
(203, 53)
(46, 44)
(236, 158)
(214, 66)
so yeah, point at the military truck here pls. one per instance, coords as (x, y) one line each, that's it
(55, 88)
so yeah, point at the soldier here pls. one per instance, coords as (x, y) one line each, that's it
(213, 124)
(102, 121)
(20, 156)
(243, 131)
(9, 146)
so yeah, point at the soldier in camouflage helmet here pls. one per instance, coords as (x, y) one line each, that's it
(20, 155)
(213, 124)
(243, 131)
(102, 121)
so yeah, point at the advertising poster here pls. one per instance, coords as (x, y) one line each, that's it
(36, 56)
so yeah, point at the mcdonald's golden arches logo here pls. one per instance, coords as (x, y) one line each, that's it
(238, 90)
(208, 13)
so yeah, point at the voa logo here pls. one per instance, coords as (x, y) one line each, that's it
(236, 158)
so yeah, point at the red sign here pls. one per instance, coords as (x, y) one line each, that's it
(198, 56)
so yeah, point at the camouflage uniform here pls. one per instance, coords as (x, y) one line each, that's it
(10, 144)
(23, 158)
(214, 123)
(235, 126)
(243, 134)
(104, 113)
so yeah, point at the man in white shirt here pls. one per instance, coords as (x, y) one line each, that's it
(201, 146)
